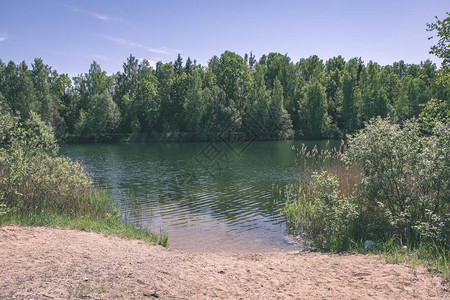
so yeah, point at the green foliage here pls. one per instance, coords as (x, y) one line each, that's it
(33, 178)
(321, 205)
(442, 48)
(394, 190)
(321, 213)
(231, 94)
(347, 96)
(434, 111)
(373, 101)
(314, 109)
(38, 188)
(406, 175)
(100, 117)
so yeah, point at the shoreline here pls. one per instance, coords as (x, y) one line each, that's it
(50, 263)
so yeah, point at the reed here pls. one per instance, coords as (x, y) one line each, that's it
(328, 159)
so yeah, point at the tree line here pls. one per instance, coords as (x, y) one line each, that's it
(270, 98)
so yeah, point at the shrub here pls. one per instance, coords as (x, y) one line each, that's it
(394, 184)
(404, 189)
(33, 179)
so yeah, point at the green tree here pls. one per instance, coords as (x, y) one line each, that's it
(194, 104)
(257, 116)
(434, 111)
(95, 108)
(280, 66)
(145, 104)
(48, 105)
(315, 109)
(311, 68)
(373, 96)
(61, 89)
(171, 106)
(348, 98)
(279, 124)
(234, 79)
(332, 82)
(100, 118)
(178, 65)
(18, 89)
(125, 85)
(442, 48)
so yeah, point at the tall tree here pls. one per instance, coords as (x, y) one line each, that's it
(348, 95)
(279, 124)
(101, 118)
(256, 119)
(178, 65)
(311, 68)
(145, 104)
(373, 95)
(40, 76)
(315, 109)
(234, 79)
(19, 90)
(170, 105)
(442, 48)
(194, 104)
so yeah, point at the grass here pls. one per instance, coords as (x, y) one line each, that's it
(430, 255)
(110, 225)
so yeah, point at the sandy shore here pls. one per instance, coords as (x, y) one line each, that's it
(46, 263)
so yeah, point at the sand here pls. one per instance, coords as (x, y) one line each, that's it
(48, 263)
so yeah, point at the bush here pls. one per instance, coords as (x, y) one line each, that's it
(33, 179)
(395, 184)
(404, 190)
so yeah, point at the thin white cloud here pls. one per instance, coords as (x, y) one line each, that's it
(123, 42)
(3, 38)
(160, 50)
(95, 15)
(101, 17)
(81, 55)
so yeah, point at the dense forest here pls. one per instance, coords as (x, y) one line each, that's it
(269, 98)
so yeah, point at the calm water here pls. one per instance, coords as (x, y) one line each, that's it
(208, 197)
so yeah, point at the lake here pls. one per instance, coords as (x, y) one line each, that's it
(209, 197)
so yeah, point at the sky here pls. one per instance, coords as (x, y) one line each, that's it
(70, 35)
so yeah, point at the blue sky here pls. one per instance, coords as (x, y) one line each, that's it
(69, 35)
